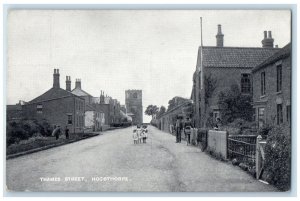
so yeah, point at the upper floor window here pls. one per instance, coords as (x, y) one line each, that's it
(39, 108)
(279, 78)
(245, 83)
(263, 83)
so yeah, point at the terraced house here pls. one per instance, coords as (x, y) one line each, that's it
(223, 67)
(272, 89)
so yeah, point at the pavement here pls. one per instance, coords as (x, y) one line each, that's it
(112, 163)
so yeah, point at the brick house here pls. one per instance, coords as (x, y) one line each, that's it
(58, 107)
(272, 89)
(225, 66)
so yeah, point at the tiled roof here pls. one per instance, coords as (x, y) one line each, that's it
(80, 92)
(239, 57)
(283, 53)
(53, 93)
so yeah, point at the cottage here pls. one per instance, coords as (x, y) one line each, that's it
(272, 89)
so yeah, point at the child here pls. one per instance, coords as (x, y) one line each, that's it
(139, 133)
(135, 137)
(144, 135)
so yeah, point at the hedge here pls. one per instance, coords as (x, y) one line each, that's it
(278, 158)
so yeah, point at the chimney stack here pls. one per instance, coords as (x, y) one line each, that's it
(68, 83)
(220, 37)
(268, 41)
(56, 78)
(78, 83)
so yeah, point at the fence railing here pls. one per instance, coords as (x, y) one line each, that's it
(242, 147)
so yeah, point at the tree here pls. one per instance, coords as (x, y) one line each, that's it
(234, 104)
(175, 102)
(151, 110)
(162, 110)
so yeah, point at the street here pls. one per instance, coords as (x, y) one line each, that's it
(111, 162)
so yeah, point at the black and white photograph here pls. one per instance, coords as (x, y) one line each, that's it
(112, 100)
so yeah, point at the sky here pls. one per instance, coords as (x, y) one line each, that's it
(116, 50)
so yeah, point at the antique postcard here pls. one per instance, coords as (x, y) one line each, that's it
(148, 100)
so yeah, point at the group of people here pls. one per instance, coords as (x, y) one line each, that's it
(140, 134)
(186, 127)
(57, 132)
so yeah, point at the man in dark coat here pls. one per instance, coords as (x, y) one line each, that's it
(67, 132)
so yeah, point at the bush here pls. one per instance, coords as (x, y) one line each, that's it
(234, 104)
(17, 131)
(278, 158)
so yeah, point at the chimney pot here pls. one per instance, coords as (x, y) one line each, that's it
(68, 83)
(56, 79)
(268, 41)
(269, 34)
(78, 83)
(220, 37)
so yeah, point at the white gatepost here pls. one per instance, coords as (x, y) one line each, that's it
(258, 157)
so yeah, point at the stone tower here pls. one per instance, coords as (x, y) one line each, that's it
(134, 105)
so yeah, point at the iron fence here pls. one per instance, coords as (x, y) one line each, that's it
(242, 147)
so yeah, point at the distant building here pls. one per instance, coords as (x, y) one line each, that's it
(123, 108)
(168, 118)
(110, 108)
(93, 115)
(272, 89)
(134, 105)
(58, 107)
(228, 66)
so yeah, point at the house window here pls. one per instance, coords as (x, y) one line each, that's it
(279, 114)
(69, 119)
(261, 117)
(245, 83)
(216, 115)
(288, 113)
(39, 108)
(263, 83)
(279, 78)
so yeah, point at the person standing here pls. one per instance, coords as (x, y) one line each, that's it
(139, 133)
(67, 132)
(135, 137)
(188, 130)
(178, 130)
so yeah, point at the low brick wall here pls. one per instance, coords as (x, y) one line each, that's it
(217, 143)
